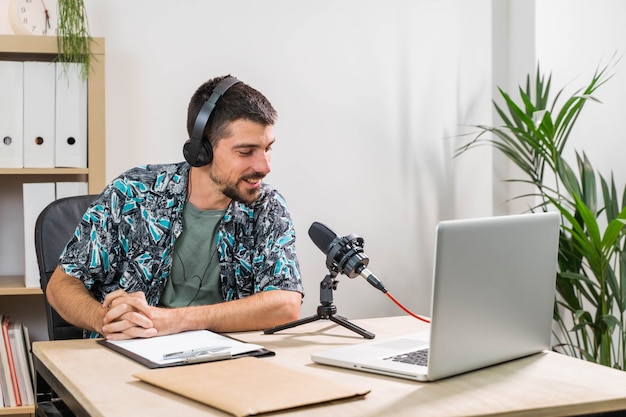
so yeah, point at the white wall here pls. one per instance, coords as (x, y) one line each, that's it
(574, 39)
(369, 95)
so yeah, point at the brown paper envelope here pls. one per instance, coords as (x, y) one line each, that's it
(248, 386)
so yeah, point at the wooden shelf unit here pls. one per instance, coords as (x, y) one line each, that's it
(44, 48)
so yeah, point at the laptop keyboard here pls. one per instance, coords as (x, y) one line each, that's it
(417, 357)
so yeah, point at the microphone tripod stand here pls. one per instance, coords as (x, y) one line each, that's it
(326, 310)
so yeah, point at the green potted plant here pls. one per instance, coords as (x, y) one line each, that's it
(73, 38)
(591, 280)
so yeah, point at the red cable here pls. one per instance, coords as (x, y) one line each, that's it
(406, 309)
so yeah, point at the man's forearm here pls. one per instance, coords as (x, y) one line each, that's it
(69, 297)
(72, 301)
(259, 311)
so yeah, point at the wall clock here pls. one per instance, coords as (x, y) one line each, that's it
(34, 17)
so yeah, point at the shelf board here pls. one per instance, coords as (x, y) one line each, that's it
(14, 285)
(17, 411)
(26, 44)
(43, 171)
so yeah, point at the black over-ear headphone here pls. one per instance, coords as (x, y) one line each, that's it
(199, 152)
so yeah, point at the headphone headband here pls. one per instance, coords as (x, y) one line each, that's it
(207, 108)
(196, 152)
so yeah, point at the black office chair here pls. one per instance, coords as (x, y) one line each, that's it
(54, 228)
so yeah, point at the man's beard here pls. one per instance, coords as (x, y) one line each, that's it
(231, 191)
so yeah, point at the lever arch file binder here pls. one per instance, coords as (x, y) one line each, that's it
(39, 92)
(11, 111)
(71, 189)
(71, 117)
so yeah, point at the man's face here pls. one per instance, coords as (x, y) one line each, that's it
(241, 160)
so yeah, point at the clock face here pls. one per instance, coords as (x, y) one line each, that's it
(34, 17)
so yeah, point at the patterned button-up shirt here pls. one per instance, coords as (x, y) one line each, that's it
(126, 238)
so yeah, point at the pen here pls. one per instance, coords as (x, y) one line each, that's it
(210, 350)
(217, 356)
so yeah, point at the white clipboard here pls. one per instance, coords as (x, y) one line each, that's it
(184, 348)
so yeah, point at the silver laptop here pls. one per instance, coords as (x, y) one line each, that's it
(492, 301)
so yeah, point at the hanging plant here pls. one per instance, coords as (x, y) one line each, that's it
(73, 38)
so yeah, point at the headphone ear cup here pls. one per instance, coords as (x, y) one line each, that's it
(206, 153)
(198, 152)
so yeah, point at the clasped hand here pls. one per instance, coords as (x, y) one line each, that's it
(128, 316)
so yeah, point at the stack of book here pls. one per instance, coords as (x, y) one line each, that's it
(16, 367)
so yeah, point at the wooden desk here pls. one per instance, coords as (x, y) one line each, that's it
(97, 381)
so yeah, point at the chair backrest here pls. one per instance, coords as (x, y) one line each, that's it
(54, 228)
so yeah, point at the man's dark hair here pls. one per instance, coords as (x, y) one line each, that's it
(238, 102)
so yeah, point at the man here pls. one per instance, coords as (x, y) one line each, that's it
(201, 244)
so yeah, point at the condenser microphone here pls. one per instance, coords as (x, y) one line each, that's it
(322, 236)
(344, 254)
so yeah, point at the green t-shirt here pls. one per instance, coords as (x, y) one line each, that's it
(195, 276)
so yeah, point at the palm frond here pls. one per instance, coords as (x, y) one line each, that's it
(591, 281)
